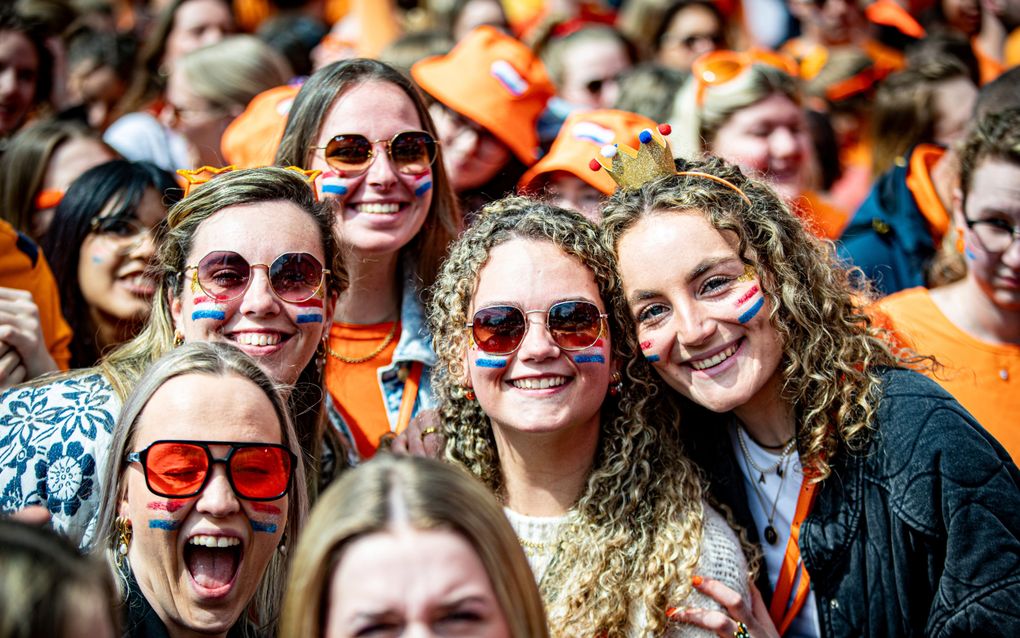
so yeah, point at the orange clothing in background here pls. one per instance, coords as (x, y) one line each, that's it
(919, 181)
(23, 266)
(824, 219)
(989, 68)
(355, 386)
(984, 377)
(252, 139)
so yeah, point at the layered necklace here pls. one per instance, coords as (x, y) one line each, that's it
(779, 467)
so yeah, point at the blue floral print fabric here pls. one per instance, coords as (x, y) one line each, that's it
(53, 443)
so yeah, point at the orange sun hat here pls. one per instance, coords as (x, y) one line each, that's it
(494, 80)
(580, 138)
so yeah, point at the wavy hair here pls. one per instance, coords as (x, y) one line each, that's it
(213, 360)
(389, 492)
(831, 354)
(636, 538)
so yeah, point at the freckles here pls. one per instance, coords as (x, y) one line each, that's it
(594, 354)
(332, 183)
(206, 308)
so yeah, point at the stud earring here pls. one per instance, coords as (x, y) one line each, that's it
(122, 531)
(615, 384)
(178, 339)
(469, 394)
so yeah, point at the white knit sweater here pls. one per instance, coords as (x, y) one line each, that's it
(721, 559)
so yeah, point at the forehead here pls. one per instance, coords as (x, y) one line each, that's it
(377, 110)
(534, 274)
(995, 185)
(259, 232)
(17, 49)
(197, 13)
(668, 244)
(208, 408)
(775, 107)
(693, 17)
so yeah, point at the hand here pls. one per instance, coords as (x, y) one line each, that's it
(20, 328)
(32, 515)
(421, 438)
(735, 610)
(12, 371)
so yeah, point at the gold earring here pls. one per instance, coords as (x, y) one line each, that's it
(178, 339)
(122, 538)
(615, 384)
(469, 394)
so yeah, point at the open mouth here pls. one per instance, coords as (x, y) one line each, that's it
(258, 339)
(378, 208)
(542, 383)
(139, 285)
(213, 562)
(716, 359)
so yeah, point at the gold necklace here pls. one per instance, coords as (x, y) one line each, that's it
(371, 355)
(535, 545)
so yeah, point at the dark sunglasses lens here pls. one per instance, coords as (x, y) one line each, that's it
(295, 276)
(176, 469)
(223, 275)
(575, 325)
(413, 152)
(260, 472)
(498, 330)
(349, 152)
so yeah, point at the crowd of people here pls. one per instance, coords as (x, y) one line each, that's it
(507, 318)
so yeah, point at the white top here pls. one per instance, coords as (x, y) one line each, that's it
(721, 558)
(788, 489)
(140, 136)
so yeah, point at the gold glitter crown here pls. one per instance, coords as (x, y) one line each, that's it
(631, 168)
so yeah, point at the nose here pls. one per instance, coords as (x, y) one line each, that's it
(784, 143)
(8, 81)
(693, 326)
(1011, 256)
(142, 246)
(218, 498)
(381, 173)
(538, 344)
(258, 299)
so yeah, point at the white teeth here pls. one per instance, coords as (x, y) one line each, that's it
(539, 384)
(257, 338)
(214, 541)
(379, 209)
(714, 360)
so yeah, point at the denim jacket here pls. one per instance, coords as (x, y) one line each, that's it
(918, 534)
(415, 344)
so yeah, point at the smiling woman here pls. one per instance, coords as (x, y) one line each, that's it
(199, 502)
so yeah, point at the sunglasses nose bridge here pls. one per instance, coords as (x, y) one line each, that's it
(218, 495)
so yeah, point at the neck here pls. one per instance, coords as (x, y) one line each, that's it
(374, 292)
(971, 310)
(545, 474)
(767, 417)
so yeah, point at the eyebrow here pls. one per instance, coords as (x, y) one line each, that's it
(699, 270)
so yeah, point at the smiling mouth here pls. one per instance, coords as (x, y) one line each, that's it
(716, 359)
(543, 383)
(387, 208)
(258, 338)
(213, 561)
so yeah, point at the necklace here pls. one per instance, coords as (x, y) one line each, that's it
(770, 534)
(371, 355)
(538, 547)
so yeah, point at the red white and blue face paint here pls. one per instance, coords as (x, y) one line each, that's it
(310, 310)
(165, 511)
(486, 360)
(204, 307)
(750, 300)
(596, 354)
(423, 184)
(333, 183)
(268, 517)
(646, 346)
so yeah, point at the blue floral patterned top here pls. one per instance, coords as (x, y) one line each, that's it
(53, 444)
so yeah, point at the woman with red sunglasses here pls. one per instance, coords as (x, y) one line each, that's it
(249, 259)
(538, 400)
(198, 504)
(364, 125)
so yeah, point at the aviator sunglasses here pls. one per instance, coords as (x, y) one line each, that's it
(294, 277)
(181, 469)
(411, 152)
(573, 325)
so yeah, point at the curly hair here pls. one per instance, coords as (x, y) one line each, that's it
(635, 538)
(831, 354)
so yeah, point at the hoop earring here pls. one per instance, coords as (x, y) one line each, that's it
(122, 538)
(615, 384)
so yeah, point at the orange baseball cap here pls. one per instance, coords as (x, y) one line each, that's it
(494, 80)
(581, 137)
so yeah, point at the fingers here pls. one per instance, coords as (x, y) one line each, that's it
(715, 621)
(14, 294)
(730, 600)
(12, 371)
(32, 515)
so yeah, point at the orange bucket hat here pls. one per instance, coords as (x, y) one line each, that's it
(251, 140)
(581, 137)
(494, 80)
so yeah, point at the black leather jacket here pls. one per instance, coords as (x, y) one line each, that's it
(916, 535)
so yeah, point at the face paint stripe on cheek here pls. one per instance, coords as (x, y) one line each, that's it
(423, 188)
(750, 313)
(166, 506)
(266, 508)
(206, 308)
(264, 527)
(490, 363)
(651, 358)
(169, 526)
(589, 358)
(332, 184)
(747, 295)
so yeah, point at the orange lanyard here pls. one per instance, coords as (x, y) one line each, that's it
(409, 396)
(783, 610)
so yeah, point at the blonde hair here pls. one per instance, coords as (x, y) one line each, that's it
(213, 360)
(831, 355)
(232, 71)
(636, 539)
(428, 495)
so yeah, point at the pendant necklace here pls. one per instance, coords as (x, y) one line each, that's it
(770, 534)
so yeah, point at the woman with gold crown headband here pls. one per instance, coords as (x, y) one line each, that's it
(879, 503)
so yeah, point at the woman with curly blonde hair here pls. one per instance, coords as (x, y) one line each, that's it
(608, 509)
(881, 506)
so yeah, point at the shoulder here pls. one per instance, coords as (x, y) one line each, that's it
(904, 301)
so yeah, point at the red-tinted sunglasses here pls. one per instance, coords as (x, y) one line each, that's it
(181, 469)
(573, 325)
(294, 277)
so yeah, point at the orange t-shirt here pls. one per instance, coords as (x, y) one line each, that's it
(824, 219)
(23, 266)
(354, 387)
(984, 377)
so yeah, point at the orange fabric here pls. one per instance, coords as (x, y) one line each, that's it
(252, 139)
(887, 60)
(924, 157)
(1011, 50)
(494, 80)
(988, 67)
(355, 386)
(17, 270)
(409, 396)
(249, 14)
(812, 59)
(580, 138)
(377, 25)
(974, 369)
(783, 610)
(889, 13)
(824, 219)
